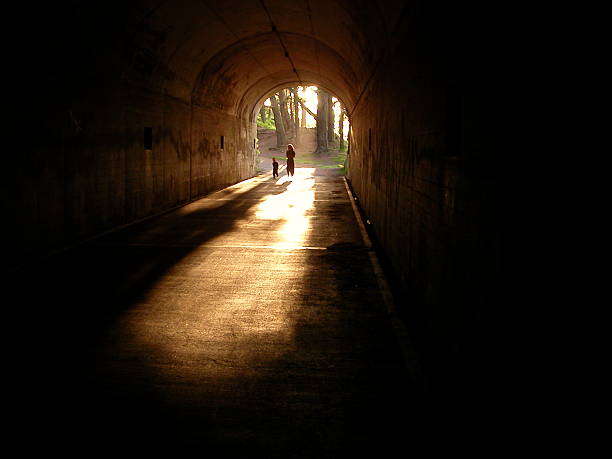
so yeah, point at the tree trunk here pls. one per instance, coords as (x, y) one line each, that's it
(289, 106)
(330, 119)
(282, 98)
(281, 136)
(296, 116)
(309, 111)
(304, 113)
(322, 122)
(262, 112)
(341, 126)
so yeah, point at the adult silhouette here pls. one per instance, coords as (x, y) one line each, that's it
(290, 161)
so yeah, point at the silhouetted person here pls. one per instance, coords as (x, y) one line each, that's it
(274, 167)
(290, 162)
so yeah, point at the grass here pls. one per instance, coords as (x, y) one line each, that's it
(331, 160)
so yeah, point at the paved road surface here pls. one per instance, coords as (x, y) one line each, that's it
(246, 324)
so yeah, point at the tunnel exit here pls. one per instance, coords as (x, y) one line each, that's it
(319, 135)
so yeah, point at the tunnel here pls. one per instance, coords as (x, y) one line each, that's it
(120, 112)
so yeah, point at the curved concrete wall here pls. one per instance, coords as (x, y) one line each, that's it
(92, 76)
(97, 173)
(425, 167)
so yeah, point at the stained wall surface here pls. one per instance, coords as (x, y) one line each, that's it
(426, 166)
(89, 78)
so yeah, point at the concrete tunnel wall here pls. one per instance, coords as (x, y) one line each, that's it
(423, 156)
(425, 165)
(102, 176)
(90, 77)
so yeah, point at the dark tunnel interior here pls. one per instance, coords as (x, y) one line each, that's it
(117, 114)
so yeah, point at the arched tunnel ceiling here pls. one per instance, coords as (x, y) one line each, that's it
(228, 55)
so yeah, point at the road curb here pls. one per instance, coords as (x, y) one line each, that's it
(401, 333)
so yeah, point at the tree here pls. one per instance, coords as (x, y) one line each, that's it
(296, 117)
(322, 121)
(282, 99)
(321, 118)
(304, 112)
(281, 136)
(341, 126)
(330, 119)
(263, 113)
(289, 99)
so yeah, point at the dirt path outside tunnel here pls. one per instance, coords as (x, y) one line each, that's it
(329, 164)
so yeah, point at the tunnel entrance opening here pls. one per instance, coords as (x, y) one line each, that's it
(310, 118)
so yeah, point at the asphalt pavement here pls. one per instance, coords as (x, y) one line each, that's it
(250, 323)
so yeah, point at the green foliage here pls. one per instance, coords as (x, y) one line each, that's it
(269, 124)
(332, 159)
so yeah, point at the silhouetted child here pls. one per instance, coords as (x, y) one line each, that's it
(274, 168)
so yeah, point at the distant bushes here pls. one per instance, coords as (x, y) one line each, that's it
(268, 123)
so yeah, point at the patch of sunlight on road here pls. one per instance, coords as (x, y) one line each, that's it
(217, 199)
(221, 311)
(291, 206)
